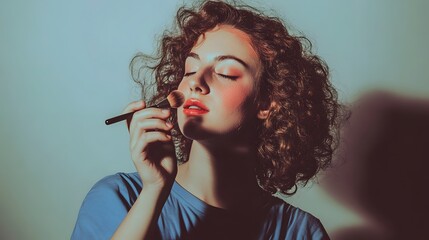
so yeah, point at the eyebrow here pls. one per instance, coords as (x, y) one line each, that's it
(221, 58)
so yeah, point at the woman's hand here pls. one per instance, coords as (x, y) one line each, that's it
(151, 147)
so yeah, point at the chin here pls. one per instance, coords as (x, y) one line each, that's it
(202, 128)
(194, 129)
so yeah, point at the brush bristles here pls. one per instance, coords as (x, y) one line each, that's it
(176, 99)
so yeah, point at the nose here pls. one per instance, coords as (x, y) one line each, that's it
(197, 83)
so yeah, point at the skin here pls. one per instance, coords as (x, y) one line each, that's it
(220, 166)
(220, 169)
(206, 79)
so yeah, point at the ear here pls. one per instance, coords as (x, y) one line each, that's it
(264, 111)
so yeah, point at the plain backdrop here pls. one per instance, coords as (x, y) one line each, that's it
(64, 70)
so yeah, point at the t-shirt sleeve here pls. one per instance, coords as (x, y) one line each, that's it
(318, 232)
(103, 209)
(303, 225)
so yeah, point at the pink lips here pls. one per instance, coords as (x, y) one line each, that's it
(194, 107)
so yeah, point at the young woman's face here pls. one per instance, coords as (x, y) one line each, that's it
(221, 74)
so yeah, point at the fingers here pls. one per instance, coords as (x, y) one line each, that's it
(141, 112)
(149, 137)
(152, 113)
(140, 120)
(132, 107)
(145, 140)
(146, 126)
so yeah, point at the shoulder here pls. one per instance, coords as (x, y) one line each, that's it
(297, 222)
(116, 185)
(105, 205)
(119, 182)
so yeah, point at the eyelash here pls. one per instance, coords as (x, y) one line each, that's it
(228, 77)
(221, 75)
(188, 74)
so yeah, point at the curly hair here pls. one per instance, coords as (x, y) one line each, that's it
(298, 137)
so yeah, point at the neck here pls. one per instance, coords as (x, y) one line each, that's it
(221, 174)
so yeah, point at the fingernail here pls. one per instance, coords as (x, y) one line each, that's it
(168, 124)
(169, 136)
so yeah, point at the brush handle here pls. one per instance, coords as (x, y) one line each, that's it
(118, 118)
(163, 104)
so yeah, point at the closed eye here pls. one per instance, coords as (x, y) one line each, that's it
(228, 76)
(189, 74)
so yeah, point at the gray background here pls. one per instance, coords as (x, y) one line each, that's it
(64, 70)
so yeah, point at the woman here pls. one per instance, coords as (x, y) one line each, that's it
(257, 121)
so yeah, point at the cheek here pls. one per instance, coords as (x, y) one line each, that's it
(234, 98)
(181, 86)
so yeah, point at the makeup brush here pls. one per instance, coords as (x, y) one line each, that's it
(174, 100)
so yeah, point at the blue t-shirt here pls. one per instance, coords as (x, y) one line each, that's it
(184, 216)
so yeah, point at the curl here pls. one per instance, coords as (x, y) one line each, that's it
(299, 136)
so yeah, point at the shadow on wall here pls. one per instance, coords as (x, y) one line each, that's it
(382, 168)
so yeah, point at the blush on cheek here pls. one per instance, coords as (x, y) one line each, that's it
(233, 98)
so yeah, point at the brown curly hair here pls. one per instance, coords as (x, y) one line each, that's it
(298, 137)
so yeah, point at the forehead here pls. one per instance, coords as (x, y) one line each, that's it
(226, 40)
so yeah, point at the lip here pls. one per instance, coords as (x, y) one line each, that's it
(194, 102)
